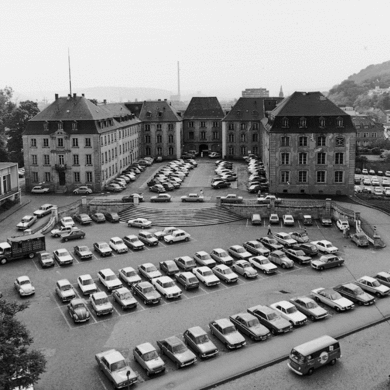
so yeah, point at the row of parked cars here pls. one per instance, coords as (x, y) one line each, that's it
(224, 174)
(170, 177)
(257, 180)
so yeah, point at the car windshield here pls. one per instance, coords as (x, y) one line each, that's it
(222, 254)
(264, 261)
(240, 250)
(334, 296)
(118, 365)
(45, 256)
(130, 273)
(102, 301)
(83, 249)
(245, 265)
(272, 241)
(86, 282)
(358, 291)
(149, 236)
(150, 356)
(134, 239)
(228, 330)
(125, 295)
(179, 348)
(253, 322)
(103, 246)
(272, 316)
(227, 271)
(26, 219)
(256, 245)
(151, 268)
(66, 287)
(24, 282)
(311, 305)
(291, 309)
(111, 277)
(375, 283)
(300, 253)
(78, 305)
(202, 339)
(168, 284)
(63, 254)
(147, 290)
(192, 280)
(207, 273)
(204, 257)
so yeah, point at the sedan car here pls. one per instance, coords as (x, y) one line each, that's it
(108, 279)
(327, 261)
(100, 303)
(133, 242)
(221, 256)
(239, 252)
(256, 248)
(114, 187)
(129, 276)
(383, 278)
(224, 330)
(202, 258)
(249, 324)
(342, 224)
(177, 351)
(289, 311)
(169, 267)
(40, 190)
(288, 220)
(185, 263)
(142, 223)
(309, 307)
(157, 188)
(67, 221)
(360, 239)
(223, 272)
(83, 219)
(112, 217)
(45, 259)
(166, 287)
(274, 219)
(325, 246)
(206, 276)
(82, 252)
(270, 243)
(149, 271)
(332, 298)
(65, 290)
(24, 286)
(199, 342)
(188, 280)
(146, 292)
(83, 190)
(308, 248)
(284, 239)
(262, 264)
(73, 234)
(147, 357)
(78, 310)
(355, 294)
(86, 284)
(220, 184)
(124, 298)
(26, 222)
(192, 198)
(45, 209)
(279, 258)
(98, 217)
(297, 255)
(130, 198)
(102, 248)
(300, 237)
(245, 269)
(372, 285)
(117, 245)
(161, 198)
(62, 256)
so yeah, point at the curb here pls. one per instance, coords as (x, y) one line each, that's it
(285, 357)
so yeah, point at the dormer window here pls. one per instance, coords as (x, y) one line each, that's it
(149, 114)
(340, 122)
(74, 126)
(238, 113)
(322, 122)
(285, 123)
(46, 126)
(302, 123)
(159, 113)
(60, 125)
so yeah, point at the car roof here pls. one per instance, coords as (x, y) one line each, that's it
(264, 309)
(122, 290)
(223, 322)
(221, 266)
(63, 282)
(145, 348)
(107, 271)
(201, 253)
(304, 299)
(147, 264)
(369, 278)
(24, 277)
(203, 268)
(113, 357)
(77, 300)
(164, 279)
(116, 238)
(86, 276)
(100, 294)
(196, 331)
(283, 303)
(382, 273)
(173, 340)
(236, 246)
(144, 284)
(245, 316)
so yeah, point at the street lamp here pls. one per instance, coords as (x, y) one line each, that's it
(128, 379)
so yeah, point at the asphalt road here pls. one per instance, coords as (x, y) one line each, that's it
(70, 348)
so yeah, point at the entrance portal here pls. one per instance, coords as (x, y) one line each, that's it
(61, 176)
(203, 150)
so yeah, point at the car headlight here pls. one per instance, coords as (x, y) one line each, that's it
(76, 317)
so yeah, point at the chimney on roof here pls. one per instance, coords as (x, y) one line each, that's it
(159, 100)
(69, 96)
(105, 101)
(82, 95)
(56, 96)
(74, 95)
(165, 100)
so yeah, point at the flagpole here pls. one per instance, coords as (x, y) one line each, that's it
(70, 78)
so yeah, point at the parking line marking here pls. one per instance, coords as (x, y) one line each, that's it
(59, 308)
(36, 266)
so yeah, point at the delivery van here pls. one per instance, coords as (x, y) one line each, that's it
(307, 357)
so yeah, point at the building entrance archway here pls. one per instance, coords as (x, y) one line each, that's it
(61, 177)
(203, 149)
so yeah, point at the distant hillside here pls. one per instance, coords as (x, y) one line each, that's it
(372, 72)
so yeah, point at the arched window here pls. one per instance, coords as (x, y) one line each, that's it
(255, 137)
(231, 137)
(170, 138)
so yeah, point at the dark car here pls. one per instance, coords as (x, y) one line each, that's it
(188, 280)
(83, 219)
(130, 198)
(82, 252)
(112, 217)
(157, 188)
(220, 184)
(270, 243)
(355, 294)
(168, 186)
(249, 325)
(271, 319)
(78, 310)
(72, 235)
(147, 293)
(327, 261)
(102, 248)
(198, 340)
(169, 267)
(307, 248)
(297, 255)
(98, 217)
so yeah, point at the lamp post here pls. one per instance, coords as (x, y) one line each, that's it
(128, 379)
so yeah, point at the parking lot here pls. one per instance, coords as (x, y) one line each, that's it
(70, 348)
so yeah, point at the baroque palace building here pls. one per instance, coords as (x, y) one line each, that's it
(74, 142)
(309, 146)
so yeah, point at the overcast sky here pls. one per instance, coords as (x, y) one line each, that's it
(223, 46)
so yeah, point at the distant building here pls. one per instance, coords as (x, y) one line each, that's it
(368, 130)
(309, 146)
(255, 92)
(9, 182)
(281, 94)
(202, 130)
(73, 142)
(378, 91)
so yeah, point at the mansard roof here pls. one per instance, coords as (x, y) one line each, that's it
(204, 108)
(158, 111)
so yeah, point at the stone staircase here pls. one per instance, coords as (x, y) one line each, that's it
(181, 216)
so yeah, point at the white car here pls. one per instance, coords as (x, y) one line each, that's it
(332, 298)
(325, 246)
(167, 287)
(288, 220)
(221, 256)
(342, 224)
(239, 252)
(26, 222)
(62, 256)
(204, 259)
(24, 286)
(149, 271)
(224, 273)
(285, 239)
(206, 276)
(86, 284)
(109, 279)
(177, 236)
(67, 221)
(142, 223)
(289, 311)
(385, 181)
(40, 190)
(45, 209)
(263, 264)
(371, 285)
(129, 276)
(118, 245)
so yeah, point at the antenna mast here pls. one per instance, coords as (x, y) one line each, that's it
(70, 78)
(178, 80)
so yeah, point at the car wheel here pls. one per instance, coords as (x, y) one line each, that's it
(82, 236)
(246, 276)
(333, 362)
(30, 255)
(187, 239)
(317, 299)
(378, 294)
(65, 239)
(283, 265)
(185, 288)
(312, 318)
(147, 373)
(339, 265)
(338, 309)
(178, 365)
(310, 372)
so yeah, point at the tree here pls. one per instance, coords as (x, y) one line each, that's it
(18, 365)
(16, 122)
(6, 107)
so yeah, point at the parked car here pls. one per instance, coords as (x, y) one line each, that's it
(40, 190)
(86, 284)
(256, 248)
(279, 258)
(60, 230)
(355, 294)
(161, 198)
(262, 264)
(224, 330)
(310, 308)
(26, 222)
(45, 259)
(239, 252)
(250, 325)
(45, 209)
(285, 239)
(327, 261)
(149, 271)
(108, 279)
(133, 242)
(73, 234)
(268, 198)
(98, 217)
(100, 303)
(223, 272)
(300, 237)
(297, 255)
(112, 217)
(24, 286)
(177, 351)
(114, 187)
(307, 220)
(157, 188)
(102, 248)
(62, 256)
(342, 224)
(199, 342)
(128, 276)
(274, 219)
(82, 252)
(270, 243)
(118, 245)
(166, 287)
(148, 238)
(142, 223)
(326, 220)
(202, 258)
(188, 280)
(67, 221)
(206, 276)
(65, 290)
(288, 220)
(221, 256)
(124, 298)
(147, 357)
(360, 239)
(192, 198)
(83, 190)
(383, 278)
(289, 311)
(169, 267)
(332, 298)
(372, 285)
(83, 219)
(245, 269)
(220, 184)
(177, 236)
(325, 246)
(308, 248)
(231, 198)
(130, 198)
(78, 310)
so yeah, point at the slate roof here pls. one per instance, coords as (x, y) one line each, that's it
(158, 111)
(307, 104)
(250, 109)
(204, 108)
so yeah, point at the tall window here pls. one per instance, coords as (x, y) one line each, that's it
(255, 137)
(60, 127)
(88, 159)
(88, 142)
(46, 142)
(61, 159)
(215, 124)
(74, 125)
(243, 150)
(33, 142)
(170, 138)
(75, 142)
(170, 151)
(215, 135)
(147, 150)
(231, 137)
(255, 149)
(170, 126)
(302, 158)
(285, 177)
(302, 123)
(338, 176)
(88, 177)
(60, 142)
(202, 124)
(285, 123)
(373, 135)
(203, 135)
(321, 158)
(190, 124)
(302, 177)
(147, 139)
(159, 151)
(302, 141)
(321, 176)
(322, 122)
(191, 135)
(47, 177)
(34, 158)
(340, 122)
(285, 141)
(231, 150)
(243, 137)
(159, 127)
(321, 139)
(242, 126)
(147, 127)
(255, 126)
(35, 177)
(75, 159)
(46, 159)
(231, 126)
(76, 176)
(285, 158)
(339, 158)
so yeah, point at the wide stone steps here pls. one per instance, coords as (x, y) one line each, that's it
(181, 216)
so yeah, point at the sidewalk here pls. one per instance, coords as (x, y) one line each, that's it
(4, 215)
